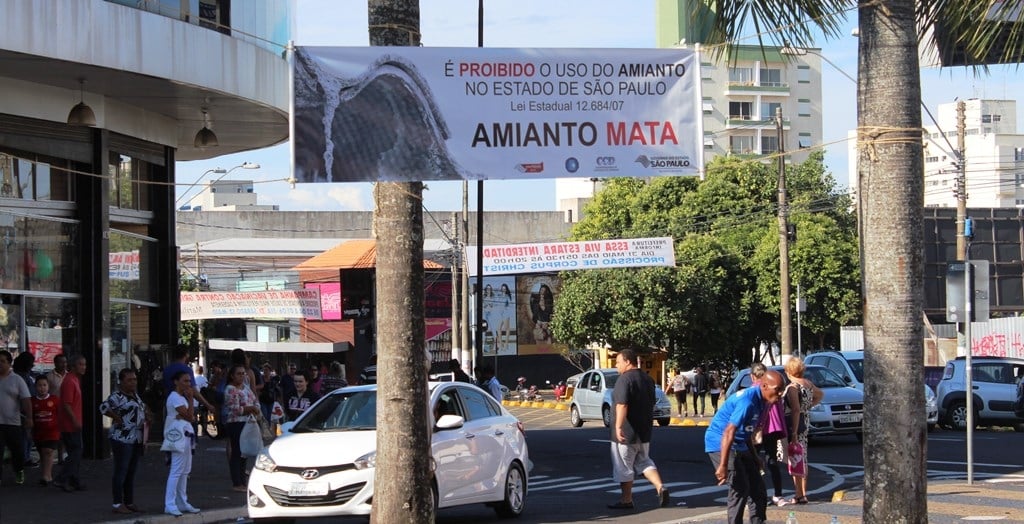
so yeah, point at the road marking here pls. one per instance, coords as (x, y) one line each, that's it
(596, 484)
(552, 480)
(1016, 466)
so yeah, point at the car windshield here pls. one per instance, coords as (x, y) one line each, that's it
(351, 411)
(824, 378)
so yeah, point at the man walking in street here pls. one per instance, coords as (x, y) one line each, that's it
(70, 421)
(15, 416)
(728, 443)
(632, 421)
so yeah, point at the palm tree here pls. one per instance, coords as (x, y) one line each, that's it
(891, 176)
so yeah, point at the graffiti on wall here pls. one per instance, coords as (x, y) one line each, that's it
(998, 345)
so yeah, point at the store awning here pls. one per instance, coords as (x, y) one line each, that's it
(351, 254)
(280, 347)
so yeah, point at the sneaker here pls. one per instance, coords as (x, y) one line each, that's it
(44, 483)
(19, 477)
(663, 497)
(122, 509)
(32, 464)
(172, 511)
(190, 509)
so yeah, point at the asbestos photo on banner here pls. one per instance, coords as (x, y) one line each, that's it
(499, 302)
(538, 296)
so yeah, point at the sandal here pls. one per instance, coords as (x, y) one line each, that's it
(802, 500)
(621, 505)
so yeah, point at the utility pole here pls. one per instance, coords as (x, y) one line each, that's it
(201, 323)
(961, 180)
(468, 364)
(456, 306)
(784, 313)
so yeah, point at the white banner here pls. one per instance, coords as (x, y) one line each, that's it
(414, 113)
(567, 256)
(301, 303)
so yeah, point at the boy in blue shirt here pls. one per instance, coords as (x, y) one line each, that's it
(727, 442)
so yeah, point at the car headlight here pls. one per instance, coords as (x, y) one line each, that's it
(366, 461)
(818, 408)
(264, 462)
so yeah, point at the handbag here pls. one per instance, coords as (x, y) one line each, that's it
(265, 433)
(176, 439)
(797, 463)
(250, 442)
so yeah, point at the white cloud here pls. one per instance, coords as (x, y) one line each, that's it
(351, 197)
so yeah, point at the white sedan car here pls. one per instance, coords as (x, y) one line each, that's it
(323, 464)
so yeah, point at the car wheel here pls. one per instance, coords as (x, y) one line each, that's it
(664, 421)
(574, 417)
(606, 416)
(956, 416)
(515, 493)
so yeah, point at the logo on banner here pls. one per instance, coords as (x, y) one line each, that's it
(572, 165)
(534, 167)
(663, 163)
(605, 163)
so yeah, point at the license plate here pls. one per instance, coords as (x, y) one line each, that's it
(307, 489)
(849, 419)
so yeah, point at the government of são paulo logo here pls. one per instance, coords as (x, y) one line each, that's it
(572, 165)
(664, 163)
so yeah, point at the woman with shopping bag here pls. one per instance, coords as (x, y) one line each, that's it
(808, 396)
(240, 405)
(179, 438)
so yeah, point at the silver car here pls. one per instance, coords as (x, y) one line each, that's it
(841, 411)
(592, 399)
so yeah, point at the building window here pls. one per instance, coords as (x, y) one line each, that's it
(741, 75)
(708, 106)
(709, 141)
(706, 71)
(1018, 154)
(769, 145)
(930, 159)
(128, 182)
(768, 109)
(34, 180)
(803, 74)
(742, 145)
(996, 118)
(771, 77)
(804, 108)
(740, 110)
(804, 142)
(986, 119)
(1018, 178)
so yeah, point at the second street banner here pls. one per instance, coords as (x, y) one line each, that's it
(408, 113)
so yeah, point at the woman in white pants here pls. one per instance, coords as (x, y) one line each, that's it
(180, 415)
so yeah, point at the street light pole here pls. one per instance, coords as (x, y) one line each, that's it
(219, 170)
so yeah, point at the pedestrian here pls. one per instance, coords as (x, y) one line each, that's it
(699, 388)
(125, 407)
(335, 379)
(714, 390)
(632, 422)
(15, 415)
(56, 377)
(728, 441)
(45, 431)
(488, 382)
(180, 358)
(680, 385)
(22, 366)
(301, 398)
(239, 403)
(316, 378)
(458, 375)
(70, 420)
(807, 395)
(180, 408)
(369, 374)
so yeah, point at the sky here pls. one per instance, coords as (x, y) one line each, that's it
(557, 24)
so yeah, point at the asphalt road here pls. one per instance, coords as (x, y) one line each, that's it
(571, 481)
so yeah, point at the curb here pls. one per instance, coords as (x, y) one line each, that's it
(205, 517)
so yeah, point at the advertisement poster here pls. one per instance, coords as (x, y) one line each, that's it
(300, 303)
(538, 300)
(365, 114)
(567, 256)
(499, 303)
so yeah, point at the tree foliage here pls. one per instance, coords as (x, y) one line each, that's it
(722, 296)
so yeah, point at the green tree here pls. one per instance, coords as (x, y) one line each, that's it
(890, 172)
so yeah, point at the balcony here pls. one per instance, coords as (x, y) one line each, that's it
(749, 122)
(757, 88)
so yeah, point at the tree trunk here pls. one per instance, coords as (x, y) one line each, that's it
(402, 486)
(891, 175)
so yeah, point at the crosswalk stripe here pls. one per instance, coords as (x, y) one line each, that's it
(571, 484)
(552, 480)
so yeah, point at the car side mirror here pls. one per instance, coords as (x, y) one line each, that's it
(447, 422)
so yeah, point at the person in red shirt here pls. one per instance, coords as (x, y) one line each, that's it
(70, 421)
(45, 431)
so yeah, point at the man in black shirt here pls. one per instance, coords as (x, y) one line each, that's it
(632, 421)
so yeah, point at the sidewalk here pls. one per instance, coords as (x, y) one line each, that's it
(209, 489)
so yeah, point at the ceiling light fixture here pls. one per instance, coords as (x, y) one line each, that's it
(205, 137)
(81, 114)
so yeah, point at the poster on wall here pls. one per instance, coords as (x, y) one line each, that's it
(365, 114)
(538, 300)
(499, 303)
